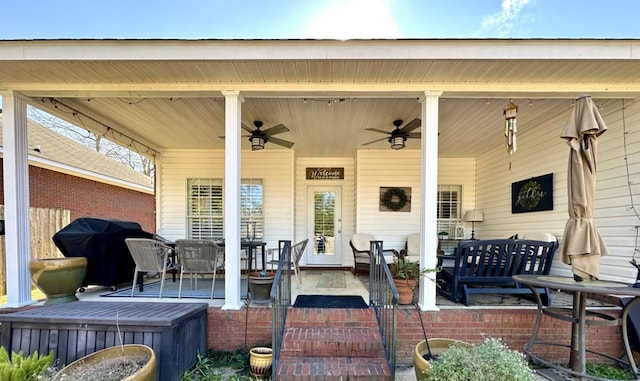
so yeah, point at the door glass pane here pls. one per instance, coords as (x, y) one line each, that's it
(324, 223)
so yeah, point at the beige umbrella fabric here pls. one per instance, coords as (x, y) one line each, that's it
(582, 246)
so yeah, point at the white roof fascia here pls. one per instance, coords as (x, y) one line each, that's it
(186, 50)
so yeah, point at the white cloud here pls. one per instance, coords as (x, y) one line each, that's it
(354, 19)
(502, 22)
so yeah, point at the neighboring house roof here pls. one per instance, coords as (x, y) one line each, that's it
(62, 154)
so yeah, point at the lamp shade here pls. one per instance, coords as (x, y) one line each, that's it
(474, 216)
(257, 143)
(397, 142)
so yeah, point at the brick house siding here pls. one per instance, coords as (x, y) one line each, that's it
(87, 198)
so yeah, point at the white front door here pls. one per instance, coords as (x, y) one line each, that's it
(325, 223)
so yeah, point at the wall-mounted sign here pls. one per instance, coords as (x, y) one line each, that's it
(532, 195)
(324, 173)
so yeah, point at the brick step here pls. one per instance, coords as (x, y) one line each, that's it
(331, 317)
(330, 342)
(292, 368)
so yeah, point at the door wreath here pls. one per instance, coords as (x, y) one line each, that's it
(395, 199)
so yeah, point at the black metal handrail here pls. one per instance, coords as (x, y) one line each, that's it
(383, 298)
(280, 300)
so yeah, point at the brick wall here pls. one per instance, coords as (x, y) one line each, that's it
(87, 198)
(226, 330)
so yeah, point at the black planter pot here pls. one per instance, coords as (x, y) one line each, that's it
(260, 286)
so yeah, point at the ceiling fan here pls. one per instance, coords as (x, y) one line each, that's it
(398, 136)
(259, 137)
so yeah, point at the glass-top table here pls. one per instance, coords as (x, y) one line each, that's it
(579, 316)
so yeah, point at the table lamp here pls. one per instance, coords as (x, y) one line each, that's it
(473, 216)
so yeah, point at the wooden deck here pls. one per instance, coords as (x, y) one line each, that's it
(176, 331)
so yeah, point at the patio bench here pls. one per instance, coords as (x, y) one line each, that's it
(487, 267)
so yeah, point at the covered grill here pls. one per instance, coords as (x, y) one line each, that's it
(101, 241)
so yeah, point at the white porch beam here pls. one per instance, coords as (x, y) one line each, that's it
(547, 90)
(429, 186)
(16, 199)
(233, 117)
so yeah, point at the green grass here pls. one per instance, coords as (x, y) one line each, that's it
(219, 365)
(609, 371)
(35, 295)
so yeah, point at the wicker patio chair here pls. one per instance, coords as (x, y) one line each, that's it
(198, 257)
(149, 255)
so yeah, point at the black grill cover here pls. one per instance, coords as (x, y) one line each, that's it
(101, 241)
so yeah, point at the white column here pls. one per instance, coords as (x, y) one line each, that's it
(429, 186)
(16, 199)
(232, 130)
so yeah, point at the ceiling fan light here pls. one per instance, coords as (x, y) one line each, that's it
(397, 142)
(257, 143)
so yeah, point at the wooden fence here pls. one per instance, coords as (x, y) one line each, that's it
(44, 224)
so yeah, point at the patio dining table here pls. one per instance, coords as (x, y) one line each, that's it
(251, 247)
(580, 316)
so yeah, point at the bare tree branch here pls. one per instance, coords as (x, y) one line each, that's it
(95, 142)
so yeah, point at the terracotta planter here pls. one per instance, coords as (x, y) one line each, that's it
(113, 356)
(260, 286)
(405, 290)
(437, 346)
(58, 278)
(260, 360)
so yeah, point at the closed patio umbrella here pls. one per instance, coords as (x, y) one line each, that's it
(582, 246)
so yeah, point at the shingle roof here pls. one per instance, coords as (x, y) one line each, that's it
(57, 148)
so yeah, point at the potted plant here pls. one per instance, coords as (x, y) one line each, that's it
(488, 361)
(405, 275)
(128, 362)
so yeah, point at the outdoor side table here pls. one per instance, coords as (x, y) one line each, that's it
(579, 316)
(252, 247)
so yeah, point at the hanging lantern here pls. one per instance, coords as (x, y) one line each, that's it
(510, 126)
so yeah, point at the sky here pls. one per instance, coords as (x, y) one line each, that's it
(317, 19)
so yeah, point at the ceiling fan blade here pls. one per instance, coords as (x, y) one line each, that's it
(278, 129)
(280, 142)
(246, 128)
(377, 130)
(414, 135)
(411, 126)
(375, 141)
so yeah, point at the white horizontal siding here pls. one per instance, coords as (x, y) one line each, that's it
(275, 167)
(541, 151)
(387, 168)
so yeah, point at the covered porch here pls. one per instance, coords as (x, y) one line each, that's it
(187, 104)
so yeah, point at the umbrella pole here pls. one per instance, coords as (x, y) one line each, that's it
(577, 353)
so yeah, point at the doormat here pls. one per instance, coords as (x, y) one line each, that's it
(330, 301)
(332, 279)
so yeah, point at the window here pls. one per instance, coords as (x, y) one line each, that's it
(449, 207)
(205, 212)
(251, 209)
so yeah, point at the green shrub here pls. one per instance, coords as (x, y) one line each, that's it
(609, 371)
(491, 360)
(21, 368)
